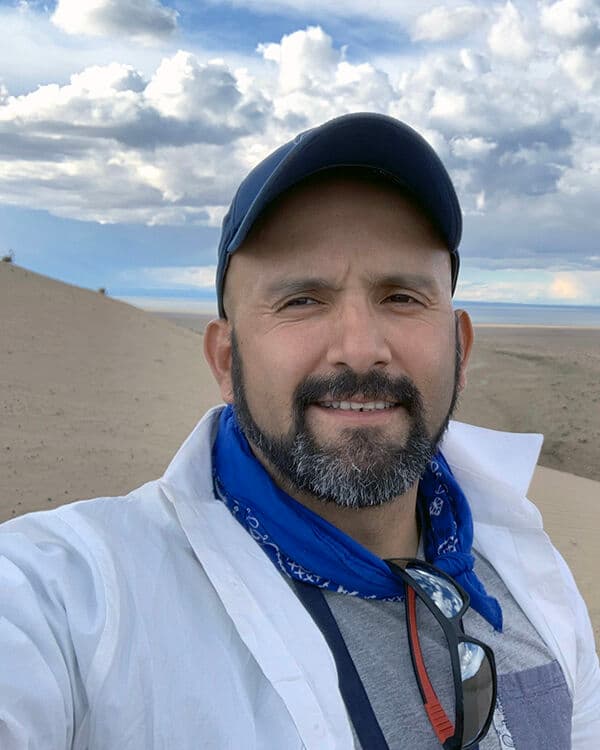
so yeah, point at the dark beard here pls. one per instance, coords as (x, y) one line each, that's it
(364, 470)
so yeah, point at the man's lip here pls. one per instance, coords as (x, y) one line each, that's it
(362, 401)
(390, 406)
(355, 417)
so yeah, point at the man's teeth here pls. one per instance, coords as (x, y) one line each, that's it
(357, 406)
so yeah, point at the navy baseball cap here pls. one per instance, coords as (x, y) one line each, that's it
(363, 139)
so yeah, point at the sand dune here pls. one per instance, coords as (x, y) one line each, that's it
(96, 396)
(544, 380)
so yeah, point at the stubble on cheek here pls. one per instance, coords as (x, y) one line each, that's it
(259, 394)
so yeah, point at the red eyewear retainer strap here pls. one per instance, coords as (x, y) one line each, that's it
(353, 691)
(440, 722)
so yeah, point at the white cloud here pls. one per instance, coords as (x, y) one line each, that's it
(145, 19)
(315, 82)
(569, 19)
(582, 66)
(472, 148)
(173, 305)
(579, 287)
(168, 144)
(566, 286)
(474, 62)
(508, 37)
(443, 23)
(99, 95)
(35, 52)
(582, 177)
(533, 286)
(518, 289)
(306, 59)
(111, 146)
(172, 277)
(448, 104)
(185, 88)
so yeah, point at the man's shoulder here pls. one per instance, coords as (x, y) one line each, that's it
(143, 511)
(97, 529)
(116, 537)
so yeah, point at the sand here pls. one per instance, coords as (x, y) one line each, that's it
(96, 396)
(543, 380)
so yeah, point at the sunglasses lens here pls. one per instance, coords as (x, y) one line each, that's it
(478, 689)
(439, 590)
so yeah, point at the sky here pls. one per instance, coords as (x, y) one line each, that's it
(126, 126)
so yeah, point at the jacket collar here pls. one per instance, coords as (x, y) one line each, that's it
(494, 470)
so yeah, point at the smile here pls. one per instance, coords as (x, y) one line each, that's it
(358, 405)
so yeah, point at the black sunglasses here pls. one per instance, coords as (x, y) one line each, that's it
(473, 663)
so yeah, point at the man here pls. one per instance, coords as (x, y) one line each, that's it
(256, 595)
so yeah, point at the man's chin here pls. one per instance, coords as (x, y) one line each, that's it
(353, 442)
(331, 430)
(358, 451)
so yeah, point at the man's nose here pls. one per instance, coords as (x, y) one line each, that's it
(357, 338)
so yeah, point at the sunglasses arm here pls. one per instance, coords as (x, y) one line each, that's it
(442, 726)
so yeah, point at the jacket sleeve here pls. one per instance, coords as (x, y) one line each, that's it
(586, 697)
(51, 611)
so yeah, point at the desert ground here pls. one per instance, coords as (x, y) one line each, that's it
(96, 396)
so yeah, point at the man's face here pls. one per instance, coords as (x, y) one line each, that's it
(344, 363)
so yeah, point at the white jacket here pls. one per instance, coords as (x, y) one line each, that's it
(155, 621)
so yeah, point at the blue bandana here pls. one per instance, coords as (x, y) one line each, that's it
(305, 546)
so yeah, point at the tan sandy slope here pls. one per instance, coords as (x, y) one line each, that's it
(544, 380)
(96, 396)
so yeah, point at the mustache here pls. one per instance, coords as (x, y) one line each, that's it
(372, 386)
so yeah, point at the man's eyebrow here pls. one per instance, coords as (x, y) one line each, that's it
(289, 286)
(286, 286)
(423, 281)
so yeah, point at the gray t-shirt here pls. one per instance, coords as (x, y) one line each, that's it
(533, 709)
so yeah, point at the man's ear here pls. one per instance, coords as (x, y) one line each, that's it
(217, 352)
(464, 330)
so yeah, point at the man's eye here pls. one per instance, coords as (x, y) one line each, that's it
(402, 299)
(300, 302)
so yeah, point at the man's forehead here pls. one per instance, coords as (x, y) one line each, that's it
(329, 224)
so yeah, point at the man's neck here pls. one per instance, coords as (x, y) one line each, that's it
(388, 531)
